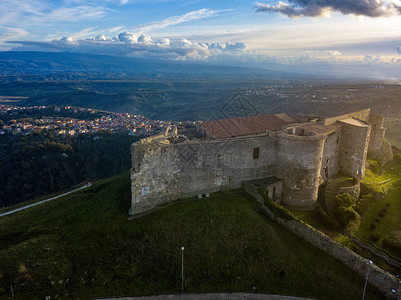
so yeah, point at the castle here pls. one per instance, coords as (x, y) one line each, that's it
(291, 154)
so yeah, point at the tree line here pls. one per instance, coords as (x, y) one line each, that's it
(41, 164)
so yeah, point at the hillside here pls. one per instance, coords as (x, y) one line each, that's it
(44, 63)
(83, 246)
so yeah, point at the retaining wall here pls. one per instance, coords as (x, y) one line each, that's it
(379, 278)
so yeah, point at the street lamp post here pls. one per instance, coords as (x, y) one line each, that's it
(182, 268)
(366, 281)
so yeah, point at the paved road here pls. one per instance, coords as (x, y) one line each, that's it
(43, 201)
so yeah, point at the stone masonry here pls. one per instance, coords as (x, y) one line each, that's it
(300, 152)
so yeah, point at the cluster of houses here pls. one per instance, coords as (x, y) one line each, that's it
(114, 122)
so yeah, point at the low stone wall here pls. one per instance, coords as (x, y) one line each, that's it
(379, 278)
(253, 191)
(210, 296)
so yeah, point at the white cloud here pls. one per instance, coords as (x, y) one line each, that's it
(235, 54)
(175, 20)
(237, 47)
(82, 33)
(34, 12)
(323, 53)
(76, 13)
(134, 44)
(145, 40)
(163, 42)
(100, 37)
(67, 39)
(127, 37)
(10, 34)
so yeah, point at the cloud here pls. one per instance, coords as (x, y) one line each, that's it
(33, 12)
(80, 12)
(321, 8)
(175, 20)
(10, 34)
(399, 49)
(135, 44)
(323, 53)
(235, 54)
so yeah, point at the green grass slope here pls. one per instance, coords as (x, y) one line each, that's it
(83, 246)
(383, 214)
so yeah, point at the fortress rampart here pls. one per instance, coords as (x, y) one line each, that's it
(165, 172)
(300, 153)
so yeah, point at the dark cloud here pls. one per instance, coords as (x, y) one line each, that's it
(318, 8)
(399, 49)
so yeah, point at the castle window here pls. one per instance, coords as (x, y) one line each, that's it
(256, 153)
(338, 140)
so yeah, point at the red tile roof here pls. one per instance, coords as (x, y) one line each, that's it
(246, 126)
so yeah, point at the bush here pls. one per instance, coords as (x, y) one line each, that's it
(344, 200)
(364, 202)
(327, 220)
(345, 214)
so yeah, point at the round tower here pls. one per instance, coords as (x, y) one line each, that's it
(299, 161)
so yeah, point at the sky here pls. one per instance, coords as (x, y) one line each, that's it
(264, 32)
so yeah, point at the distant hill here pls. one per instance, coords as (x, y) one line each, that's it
(44, 63)
(83, 246)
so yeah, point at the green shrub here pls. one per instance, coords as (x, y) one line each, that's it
(374, 166)
(277, 209)
(327, 220)
(344, 212)
(346, 241)
(344, 200)
(364, 202)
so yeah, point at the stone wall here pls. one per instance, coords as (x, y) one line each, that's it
(299, 160)
(354, 149)
(165, 172)
(377, 133)
(274, 191)
(379, 278)
(168, 166)
(353, 190)
(330, 161)
(362, 115)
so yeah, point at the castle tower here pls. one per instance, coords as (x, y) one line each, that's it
(299, 161)
(354, 147)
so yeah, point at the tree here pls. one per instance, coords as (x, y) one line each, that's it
(345, 213)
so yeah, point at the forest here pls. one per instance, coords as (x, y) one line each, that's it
(41, 164)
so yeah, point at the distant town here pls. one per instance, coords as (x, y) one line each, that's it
(70, 120)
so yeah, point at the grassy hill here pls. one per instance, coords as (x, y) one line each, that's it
(83, 246)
